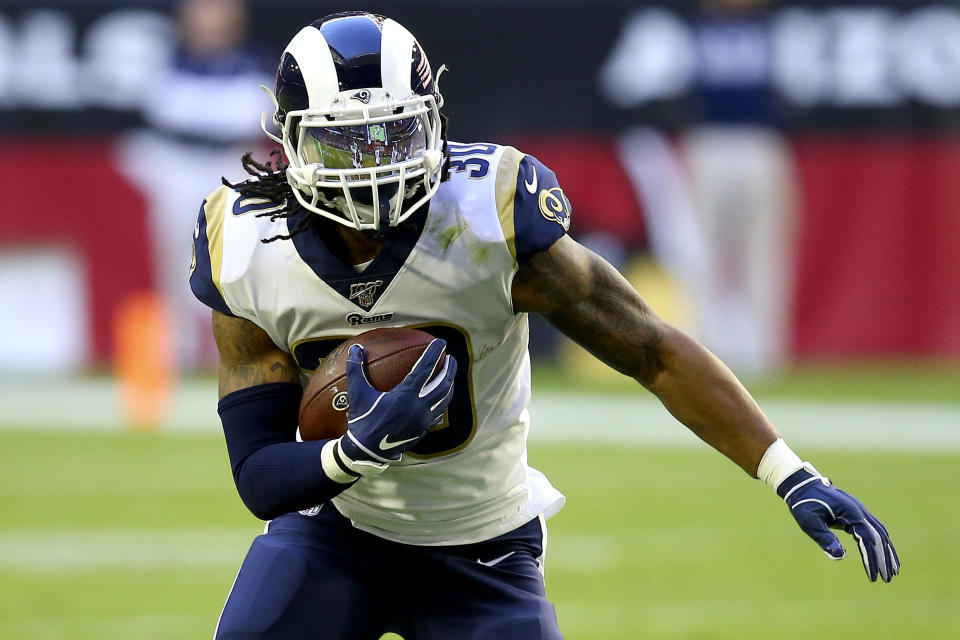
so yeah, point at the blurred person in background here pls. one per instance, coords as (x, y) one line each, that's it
(741, 180)
(203, 112)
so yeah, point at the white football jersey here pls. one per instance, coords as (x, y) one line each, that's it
(448, 272)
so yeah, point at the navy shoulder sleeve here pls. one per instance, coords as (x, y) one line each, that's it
(541, 211)
(208, 254)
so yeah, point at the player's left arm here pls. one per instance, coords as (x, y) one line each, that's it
(592, 303)
(581, 294)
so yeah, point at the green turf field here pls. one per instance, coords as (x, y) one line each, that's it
(904, 381)
(125, 535)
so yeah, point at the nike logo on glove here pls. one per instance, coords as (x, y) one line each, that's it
(387, 444)
(532, 186)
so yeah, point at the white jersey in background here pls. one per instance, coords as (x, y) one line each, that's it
(448, 273)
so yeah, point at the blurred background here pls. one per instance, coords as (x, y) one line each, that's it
(780, 179)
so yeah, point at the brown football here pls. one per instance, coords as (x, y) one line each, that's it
(390, 354)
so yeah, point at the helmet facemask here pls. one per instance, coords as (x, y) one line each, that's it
(363, 160)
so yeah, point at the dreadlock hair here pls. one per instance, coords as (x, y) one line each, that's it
(269, 181)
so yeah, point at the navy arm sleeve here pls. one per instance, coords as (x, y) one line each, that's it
(541, 211)
(273, 472)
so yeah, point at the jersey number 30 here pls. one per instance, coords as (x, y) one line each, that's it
(464, 157)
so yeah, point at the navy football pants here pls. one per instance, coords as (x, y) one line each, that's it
(320, 578)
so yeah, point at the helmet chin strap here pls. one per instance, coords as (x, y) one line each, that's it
(385, 208)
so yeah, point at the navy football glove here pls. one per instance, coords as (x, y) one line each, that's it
(381, 425)
(819, 506)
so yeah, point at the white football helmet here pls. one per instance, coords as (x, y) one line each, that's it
(359, 115)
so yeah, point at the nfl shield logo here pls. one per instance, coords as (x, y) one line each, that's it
(363, 292)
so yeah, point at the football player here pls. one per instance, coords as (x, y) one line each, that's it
(424, 519)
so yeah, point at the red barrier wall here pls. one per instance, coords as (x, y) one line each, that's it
(878, 247)
(67, 192)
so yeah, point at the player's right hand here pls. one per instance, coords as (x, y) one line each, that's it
(381, 425)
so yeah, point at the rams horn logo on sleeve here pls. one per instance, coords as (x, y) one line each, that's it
(555, 207)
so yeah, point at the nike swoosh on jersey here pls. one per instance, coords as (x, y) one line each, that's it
(532, 186)
(490, 563)
(387, 444)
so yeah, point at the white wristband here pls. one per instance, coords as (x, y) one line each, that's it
(331, 467)
(778, 462)
(339, 467)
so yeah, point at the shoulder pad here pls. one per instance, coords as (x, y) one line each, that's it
(207, 262)
(533, 209)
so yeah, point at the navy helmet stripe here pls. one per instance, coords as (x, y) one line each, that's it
(316, 70)
(355, 46)
(291, 88)
(351, 51)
